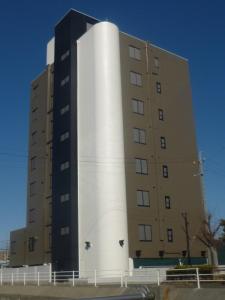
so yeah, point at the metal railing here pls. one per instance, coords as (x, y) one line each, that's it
(117, 277)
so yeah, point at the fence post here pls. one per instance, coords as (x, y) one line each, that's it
(95, 278)
(121, 279)
(125, 279)
(12, 279)
(54, 278)
(38, 278)
(73, 278)
(50, 273)
(198, 279)
(24, 278)
(158, 278)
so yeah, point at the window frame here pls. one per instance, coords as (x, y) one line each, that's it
(158, 87)
(144, 226)
(140, 104)
(161, 114)
(139, 135)
(170, 236)
(141, 160)
(163, 142)
(137, 79)
(136, 52)
(143, 202)
(165, 171)
(167, 200)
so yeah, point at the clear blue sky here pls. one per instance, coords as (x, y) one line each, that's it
(193, 29)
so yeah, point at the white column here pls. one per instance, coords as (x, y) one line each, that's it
(101, 166)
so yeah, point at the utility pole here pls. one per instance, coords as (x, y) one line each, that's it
(186, 230)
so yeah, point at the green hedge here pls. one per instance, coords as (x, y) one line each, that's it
(187, 270)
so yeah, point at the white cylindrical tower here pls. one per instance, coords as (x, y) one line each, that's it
(103, 238)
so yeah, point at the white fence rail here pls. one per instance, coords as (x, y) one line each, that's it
(44, 276)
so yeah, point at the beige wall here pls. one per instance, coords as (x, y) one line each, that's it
(180, 154)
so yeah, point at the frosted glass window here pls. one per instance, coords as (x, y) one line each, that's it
(139, 136)
(138, 106)
(141, 166)
(145, 232)
(143, 198)
(134, 52)
(64, 166)
(135, 78)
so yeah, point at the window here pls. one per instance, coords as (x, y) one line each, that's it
(156, 62)
(31, 215)
(158, 87)
(170, 235)
(64, 197)
(141, 166)
(13, 247)
(163, 142)
(64, 230)
(65, 55)
(135, 78)
(167, 202)
(161, 114)
(64, 136)
(65, 80)
(138, 106)
(33, 163)
(139, 136)
(31, 244)
(64, 166)
(34, 138)
(34, 114)
(143, 198)
(64, 109)
(33, 187)
(165, 171)
(135, 52)
(145, 232)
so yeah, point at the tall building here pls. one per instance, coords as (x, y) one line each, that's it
(113, 163)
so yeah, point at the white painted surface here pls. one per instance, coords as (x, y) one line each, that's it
(101, 167)
(50, 56)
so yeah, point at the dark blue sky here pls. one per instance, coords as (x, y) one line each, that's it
(193, 29)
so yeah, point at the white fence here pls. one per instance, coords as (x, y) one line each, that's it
(43, 275)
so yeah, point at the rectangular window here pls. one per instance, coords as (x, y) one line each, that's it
(64, 166)
(135, 78)
(139, 136)
(31, 244)
(167, 202)
(158, 87)
(141, 166)
(170, 235)
(145, 232)
(161, 114)
(143, 198)
(138, 106)
(34, 138)
(34, 114)
(65, 55)
(156, 62)
(64, 109)
(64, 197)
(134, 52)
(33, 163)
(64, 136)
(165, 171)
(31, 215)
(13, 247)
(65, 230)
(33, 188)
(65, 80)
(163, 142)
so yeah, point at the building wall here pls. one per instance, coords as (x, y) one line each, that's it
(180, 155)
(36, 246)
(17, 247)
